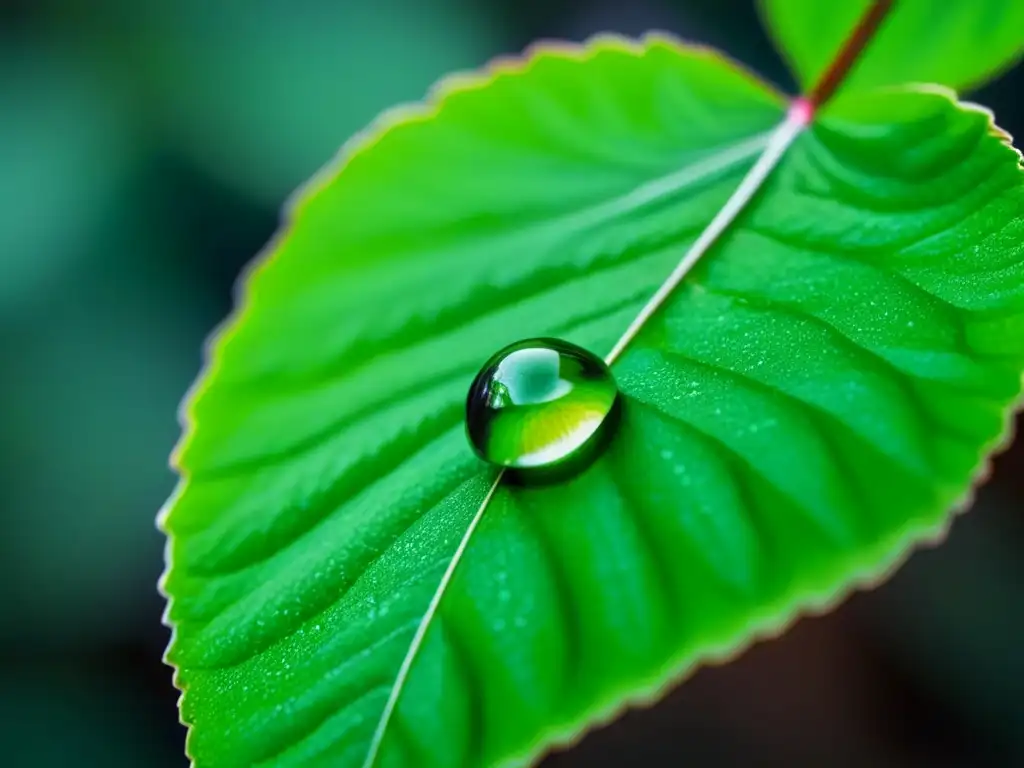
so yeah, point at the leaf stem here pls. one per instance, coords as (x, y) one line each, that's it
(424, 625)
(848, 55)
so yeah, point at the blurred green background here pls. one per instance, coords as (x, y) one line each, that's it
(145, 150)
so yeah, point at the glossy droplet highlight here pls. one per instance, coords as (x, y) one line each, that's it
(540, 405)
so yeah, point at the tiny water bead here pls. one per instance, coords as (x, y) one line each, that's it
(541, 405)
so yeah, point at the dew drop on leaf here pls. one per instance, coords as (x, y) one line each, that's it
(541, 407)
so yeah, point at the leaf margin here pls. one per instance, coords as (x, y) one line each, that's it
(644, 693)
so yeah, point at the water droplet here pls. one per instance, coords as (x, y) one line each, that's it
(540, 407)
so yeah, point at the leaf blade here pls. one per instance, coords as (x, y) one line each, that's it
(395, 565)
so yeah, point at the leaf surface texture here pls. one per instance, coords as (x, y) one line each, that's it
(815, 397)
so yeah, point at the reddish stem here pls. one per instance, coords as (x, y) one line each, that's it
(848, 55)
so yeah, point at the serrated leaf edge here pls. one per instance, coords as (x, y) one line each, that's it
(676, 671)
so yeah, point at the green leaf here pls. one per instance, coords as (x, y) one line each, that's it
(957, 43)
(815, 398)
